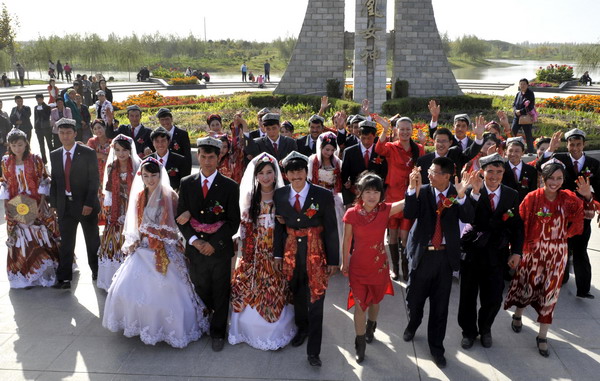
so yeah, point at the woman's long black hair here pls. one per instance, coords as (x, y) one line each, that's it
(256, 195)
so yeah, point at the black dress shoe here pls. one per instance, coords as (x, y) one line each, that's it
(516, 328)
(314, 360)
(586, 296)
(62, 285)
(408, 335)
(298, 340)
(486, 340)
(467, 342)
(543, 352)
(217, 344)
(440, 361)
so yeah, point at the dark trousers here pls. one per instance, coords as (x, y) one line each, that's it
(68, 75)
(431, 279)
(267, 76)
(44, 134)
(479, 277)
(243, 76)
(67, 226)
(56, 141)
(526, 130)
(60, 75)
(211, 278)
(581, 261)
(308, 316)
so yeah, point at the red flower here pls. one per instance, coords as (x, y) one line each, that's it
(377, 160)
(218, 209)
(176, 146)
(310, 213)
(173, 171)
(140, 140)
(525, 182)
(508, 214)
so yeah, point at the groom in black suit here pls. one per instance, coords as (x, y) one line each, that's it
(135, 130)
(213, 201)
(74, 195)
(273, 142)
(308, 246)
(433, 248)
(174, 164)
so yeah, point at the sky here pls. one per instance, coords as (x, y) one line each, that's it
(264, 20)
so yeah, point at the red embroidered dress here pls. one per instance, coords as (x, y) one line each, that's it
(94, 143)
(548, 224)
(32, 249)
(369, 272)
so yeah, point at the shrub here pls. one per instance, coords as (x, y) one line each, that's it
(400, 89)
(334, 88)
(411, 106)
(261, 100)
(555, 73)
(161, 72)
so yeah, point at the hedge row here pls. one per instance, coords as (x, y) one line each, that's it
(261, 100)
(412, 105)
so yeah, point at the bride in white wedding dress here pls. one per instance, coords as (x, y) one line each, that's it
(151, 295)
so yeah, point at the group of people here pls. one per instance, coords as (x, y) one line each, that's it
(261, 79)
(298, 210)
(59, 71)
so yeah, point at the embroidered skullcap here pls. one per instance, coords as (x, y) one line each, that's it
(463, 117)
(575, 132)
(294, 155)
(494, 158)
(209, 141)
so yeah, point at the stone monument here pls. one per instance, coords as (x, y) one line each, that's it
(419, 55)
(319, 52)
(370, 53)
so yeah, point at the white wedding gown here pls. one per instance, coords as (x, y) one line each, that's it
(143, 302)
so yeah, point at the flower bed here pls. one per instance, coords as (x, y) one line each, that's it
(161, 72)
(183, 81)
(555, 73)
(589, 103)
(154, 99)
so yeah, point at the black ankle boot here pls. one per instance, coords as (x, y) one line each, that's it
(395, 255)
(370, 334)
(361, 346)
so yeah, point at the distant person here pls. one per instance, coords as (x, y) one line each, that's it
(43, 130)
(21, 72)
(261, 81)
(188, 71)
(107, 91)
(56, 114)
(53, 91)
(86, 85)
(5, 80)
(586, 80)
(523, 104)
(267, 71)
(244, 69)
(59, 71)
(20, 117)
(206, 76)
(251, 76)
(51, 69)
(68, 69)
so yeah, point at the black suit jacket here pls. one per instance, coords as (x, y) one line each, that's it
(141, 140)
(42, 117)
(454, 142)
(304, 146)
(223, 192)
(354, 164)
(25, 118)
(523, 187)
(84, 179)
(347, 140)
(181, 144)
(492, 233)
(590, 164)
(325, 217)
(424, 210)
(254, 134)
(458, 156)
(176, 168)
(257, 146)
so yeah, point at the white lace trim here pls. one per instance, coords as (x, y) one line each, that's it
(170, 338)
(264, 344)
(106, 271)
(45, 276)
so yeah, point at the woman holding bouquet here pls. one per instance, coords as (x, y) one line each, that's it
(151, 294)
(550, 215)
(32, 246)
(123, 163)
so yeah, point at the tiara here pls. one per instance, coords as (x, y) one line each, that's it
(17, 132)
(265, 158)
(123, 137)
(553, 161)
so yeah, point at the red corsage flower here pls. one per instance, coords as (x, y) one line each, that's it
(377, 160)
(140, 141)
(217, 209)
(312, 210)
(173, 171)
(525, 182)
(508, 214)
(447, 203)
(586, 172)
(176, 146)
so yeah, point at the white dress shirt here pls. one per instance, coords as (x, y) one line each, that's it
(519, 168)
(303, 193)
(164, 159)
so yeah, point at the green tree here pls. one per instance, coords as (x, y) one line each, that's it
(471, 47)
(8, 25)
(589, 57)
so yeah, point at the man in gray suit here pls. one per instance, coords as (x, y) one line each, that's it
(74, 195)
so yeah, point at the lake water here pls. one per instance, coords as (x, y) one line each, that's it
(507, 74)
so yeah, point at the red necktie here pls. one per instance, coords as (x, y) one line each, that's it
(297, 204)
(68, 172)
(576, 167)
(515, 173)
(367, 159)
(133, 132)
(491, 196)
(436, 240)
(275, 148)
(205, 188)
(161, 161)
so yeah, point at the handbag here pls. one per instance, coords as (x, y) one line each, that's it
(526, 119)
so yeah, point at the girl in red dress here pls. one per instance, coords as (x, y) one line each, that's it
(365, 261)
(550, 215)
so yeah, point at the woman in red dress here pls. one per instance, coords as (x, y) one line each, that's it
(101, 144)
(550, 215)
(365, 261)
(401, 155)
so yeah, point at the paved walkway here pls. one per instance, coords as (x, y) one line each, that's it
(47, 334)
